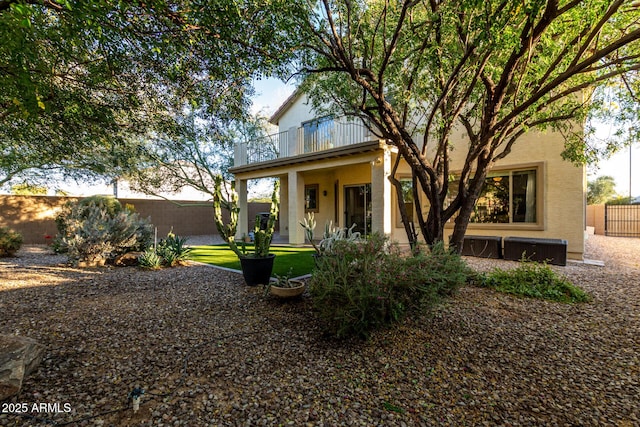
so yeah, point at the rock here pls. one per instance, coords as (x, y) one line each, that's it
(127, 260)
(19, 356)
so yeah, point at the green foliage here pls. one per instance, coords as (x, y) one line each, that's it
(26, 189)
(10, 242)
(282, 281)
(619, 200)
(601, 190)
(98, 228)
(173, 250)
(93, 79)
(533, 280)
(439, 270)
(150, 260)
(364, 286)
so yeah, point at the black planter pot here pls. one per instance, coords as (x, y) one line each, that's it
(257, 271)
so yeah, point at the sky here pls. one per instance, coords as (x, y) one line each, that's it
(271, 93)
(619, 167)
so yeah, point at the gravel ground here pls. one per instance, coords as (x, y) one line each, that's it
(210, 351)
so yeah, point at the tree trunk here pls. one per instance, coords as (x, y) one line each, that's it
(466, 208)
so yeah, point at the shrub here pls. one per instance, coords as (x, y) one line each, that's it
(534, 280)
(173, 250)
(440, 272)
(363, 286)
(98, 228)
(150, 260)
(10, 242)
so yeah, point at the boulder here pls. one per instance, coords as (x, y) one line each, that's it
(128, 259)
(19, 356)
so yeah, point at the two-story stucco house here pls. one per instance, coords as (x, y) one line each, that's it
(338, 169)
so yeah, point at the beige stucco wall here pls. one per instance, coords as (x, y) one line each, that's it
(562, 208)
(300, 111)
(561, 203)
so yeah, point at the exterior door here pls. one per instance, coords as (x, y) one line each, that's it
(357, 202)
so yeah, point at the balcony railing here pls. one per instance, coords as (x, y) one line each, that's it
(302, 140)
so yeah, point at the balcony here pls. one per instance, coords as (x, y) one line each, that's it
(306, 141)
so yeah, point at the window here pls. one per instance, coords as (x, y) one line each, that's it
(407, 194)
(318, 134)
(311, 198)
(507, 197)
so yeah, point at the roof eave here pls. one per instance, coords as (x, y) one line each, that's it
(275, 118)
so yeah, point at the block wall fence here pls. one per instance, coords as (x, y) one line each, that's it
(34, 216)
(595, 218)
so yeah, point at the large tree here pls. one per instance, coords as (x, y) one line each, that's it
(203, 151)
(87, 85)
(601, 190)
(495, 68)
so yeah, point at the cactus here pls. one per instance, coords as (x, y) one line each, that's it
(227, 231)
(262, 238)
(309, 225)
(333, 234)
(330, 236)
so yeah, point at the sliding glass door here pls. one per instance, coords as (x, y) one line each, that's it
(357, 202)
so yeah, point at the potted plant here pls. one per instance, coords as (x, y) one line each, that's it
(284, 286)
(258, 263)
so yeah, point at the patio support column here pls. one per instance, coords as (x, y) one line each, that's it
(296, 207)
(284, 206)
(243, 216)
(381, 193)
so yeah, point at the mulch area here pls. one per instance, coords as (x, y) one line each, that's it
(210, 351)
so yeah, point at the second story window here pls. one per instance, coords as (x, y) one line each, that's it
(318, 134)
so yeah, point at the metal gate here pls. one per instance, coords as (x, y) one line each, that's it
(622, 220)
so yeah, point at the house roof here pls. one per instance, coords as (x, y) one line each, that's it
(275, 118)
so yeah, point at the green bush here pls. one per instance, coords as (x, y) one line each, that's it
(440, 272)
(534, 280)
(363, 286)
(99, 229)
(10, 242)
(150, 260)
(173, 250)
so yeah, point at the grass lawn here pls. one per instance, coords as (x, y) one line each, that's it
(299, 259)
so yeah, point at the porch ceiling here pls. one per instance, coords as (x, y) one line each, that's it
(311, 157)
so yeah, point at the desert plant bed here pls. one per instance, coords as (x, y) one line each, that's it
(209, 351)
